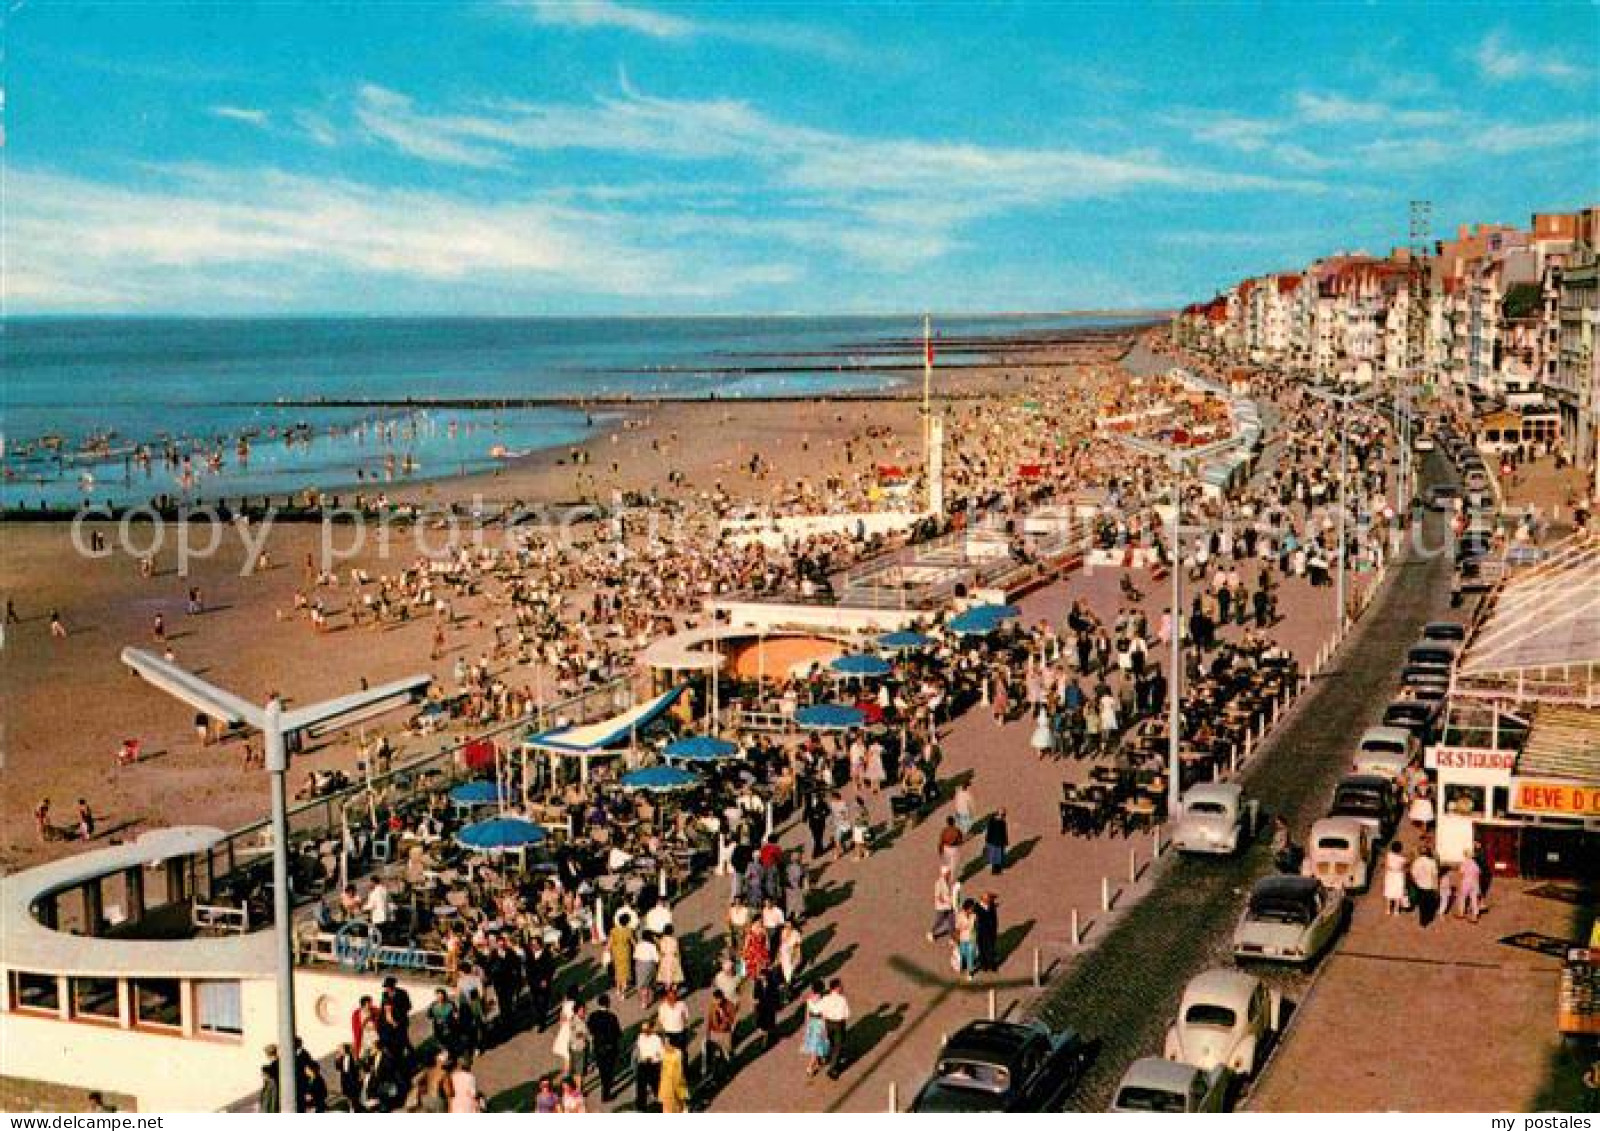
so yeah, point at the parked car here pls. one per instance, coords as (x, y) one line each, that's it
(1369, 799)
(1443, 496)
(1416, 715)
(1439, 655)
(1339, 854)
(1288, 919)
(1450, 631)
(1385, 751)
(1169, 1088)
(1226, 1017)
(1004, 1066)
(1216, 818)
(1424, 443)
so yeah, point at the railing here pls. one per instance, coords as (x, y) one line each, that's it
(212, 919)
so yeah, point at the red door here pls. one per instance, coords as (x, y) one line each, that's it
(1500, 844)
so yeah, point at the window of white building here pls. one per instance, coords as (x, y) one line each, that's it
(218, 1011)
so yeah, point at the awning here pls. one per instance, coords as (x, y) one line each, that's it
(591, 737)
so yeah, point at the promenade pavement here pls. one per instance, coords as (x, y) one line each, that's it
(869, 917)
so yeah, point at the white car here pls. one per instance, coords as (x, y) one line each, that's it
(1425, 443)
(1385, 751)
(1339, 854)
(1288, 919)
(1166, 1087)
(1226, 1019)
(1215, 819)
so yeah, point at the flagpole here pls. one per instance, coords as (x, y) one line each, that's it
(927, 394)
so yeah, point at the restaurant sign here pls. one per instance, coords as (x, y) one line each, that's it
(1533, 796)
(1470, 758)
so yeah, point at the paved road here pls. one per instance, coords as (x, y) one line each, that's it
(1125, 992)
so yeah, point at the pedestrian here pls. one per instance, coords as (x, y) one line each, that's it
(572, 1101)
(672, 1019)
(1469, 888)
(669, 970)
(619, 947)
(1425, 881)
(861, 829)
(673, 1081)
(814, 1038)
(645, 959)
(648, 1049)
(58, 630)
(85, 820)
(996, 839)
(987, 912)
(835, 1010)
(41, 820)
(966, 941)
(944, 905)
(1395, 874)
(605, 1044)
(768, 1001)
(950, 845)
(791, 951)
(721, 1018)
(964, 809)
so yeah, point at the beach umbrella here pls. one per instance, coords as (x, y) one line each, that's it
(659, 779)
(502, 834)
(701, 748)
(902, 641)
(476, 793)
(973, 623)
(999, 612)
(860, 665)
(830, 716)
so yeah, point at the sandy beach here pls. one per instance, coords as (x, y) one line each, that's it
(68, 704)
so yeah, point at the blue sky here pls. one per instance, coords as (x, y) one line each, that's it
(598, 157)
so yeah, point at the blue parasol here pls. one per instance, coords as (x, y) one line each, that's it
(902, 641)
(701, 748)
(659, 779)
(830, 716)
(860, 665)
(502, 834)
(476, 793)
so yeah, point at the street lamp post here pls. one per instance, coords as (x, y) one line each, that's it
(1177, 459)
(1345, 402)
(275, 725)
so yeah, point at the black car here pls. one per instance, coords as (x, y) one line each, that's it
(1448, 630)
(1004, 1066)
(1443, 496)
(1415, 715)
(1369, 799)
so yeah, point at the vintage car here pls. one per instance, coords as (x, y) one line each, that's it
(1416, 715)
(1453, 631)
(1288, 919)
(1004, 1066)
(1436, 655)
(1215, 819)
(1227, 1018)
(1385, 752)
(1169, 1088)
(1370, 799)
(1339, 854)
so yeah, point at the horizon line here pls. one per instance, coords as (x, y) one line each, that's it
(1112, 312)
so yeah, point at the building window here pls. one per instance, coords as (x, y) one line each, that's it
(217, 1009)
(158, 1002)
(1464, 800)
(96, 999)
(35, 991)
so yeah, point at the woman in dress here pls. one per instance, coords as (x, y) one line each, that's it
(1421, 809)
(464, 1096)
(754, 952)
(620, 946)
(545, 1100)
(674, 1087)
(814, 1042)
(790, 950)
(1395, 870)
(670, 973)
(572, 1102)
(645, 957)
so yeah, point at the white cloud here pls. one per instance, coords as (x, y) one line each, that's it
(1337, 109)
(197, 232)
(246, 114)
(606, 14)
(1498, 61)
(658, 24)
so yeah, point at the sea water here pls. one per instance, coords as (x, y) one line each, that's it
(84, 398)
